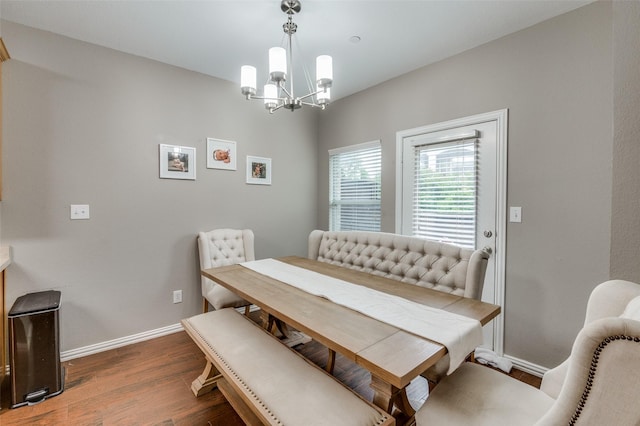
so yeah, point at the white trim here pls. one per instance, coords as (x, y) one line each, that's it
(127, 340)
(118, 343)
(357, 147)
(501, 117)
(527, 367)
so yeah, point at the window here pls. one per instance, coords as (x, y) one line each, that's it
(354, 185)
(444, 192)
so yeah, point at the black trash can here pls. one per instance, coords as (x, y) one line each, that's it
(34, 349)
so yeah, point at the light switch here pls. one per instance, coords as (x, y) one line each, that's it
(79, 211)
(515, 214)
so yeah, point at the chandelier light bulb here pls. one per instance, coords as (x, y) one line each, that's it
(270, 96)
(324, 71)
(277, 64)
(248, 80)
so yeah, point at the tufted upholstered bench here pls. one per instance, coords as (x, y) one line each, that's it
(268, 383)
(411, 260)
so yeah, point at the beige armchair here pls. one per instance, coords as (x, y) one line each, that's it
(597, 385)
(222, 247)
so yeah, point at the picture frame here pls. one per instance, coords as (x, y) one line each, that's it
(221, 154)
(258, 170)
(177, 162)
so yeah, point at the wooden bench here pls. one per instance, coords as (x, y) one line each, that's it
(266, 382)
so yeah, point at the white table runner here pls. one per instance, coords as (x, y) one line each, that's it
(459, 334)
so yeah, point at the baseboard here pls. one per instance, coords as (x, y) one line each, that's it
(127, 340)
(527, 366)
(118, 343)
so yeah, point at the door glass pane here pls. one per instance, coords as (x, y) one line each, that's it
(445, 188)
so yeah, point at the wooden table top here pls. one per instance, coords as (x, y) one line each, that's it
(388, 352)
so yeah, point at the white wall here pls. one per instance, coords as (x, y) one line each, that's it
(82, 125)
(556, 80)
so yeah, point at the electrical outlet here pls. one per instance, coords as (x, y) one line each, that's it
(177, 296)
(79, 211)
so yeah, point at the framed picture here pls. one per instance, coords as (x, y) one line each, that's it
(177, 162)
(258, 170)
(221, 154)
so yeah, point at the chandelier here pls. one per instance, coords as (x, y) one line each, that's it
(277, 93)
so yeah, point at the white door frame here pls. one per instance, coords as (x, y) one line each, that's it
(501, 119)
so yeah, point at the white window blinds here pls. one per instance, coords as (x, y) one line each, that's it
(354, 185)
(444, 196)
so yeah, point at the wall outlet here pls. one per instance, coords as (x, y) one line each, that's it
(79, 211)
(177, 296)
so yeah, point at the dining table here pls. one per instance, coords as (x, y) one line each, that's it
(392, 355)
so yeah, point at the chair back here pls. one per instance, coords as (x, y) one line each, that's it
(597, 383)
(222, 247)
(603, 377)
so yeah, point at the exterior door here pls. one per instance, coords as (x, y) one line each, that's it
(452, 188)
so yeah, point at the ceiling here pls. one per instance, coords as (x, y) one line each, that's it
(216, 37)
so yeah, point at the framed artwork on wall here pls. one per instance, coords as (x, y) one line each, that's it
(177, 162)
(221, 154)
(258, 170)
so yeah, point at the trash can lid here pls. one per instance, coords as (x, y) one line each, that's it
(35, 302)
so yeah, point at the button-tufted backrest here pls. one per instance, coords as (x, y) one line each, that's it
(413, 260)
(222, 247)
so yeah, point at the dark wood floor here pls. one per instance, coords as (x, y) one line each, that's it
(148, 383)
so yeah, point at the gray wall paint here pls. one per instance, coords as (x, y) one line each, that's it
(82, 125)
(556, 80)
(76, 115)
(625, 223)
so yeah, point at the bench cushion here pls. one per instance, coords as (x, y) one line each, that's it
(476, 395)
(283, 385)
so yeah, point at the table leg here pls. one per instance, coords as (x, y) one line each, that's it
(206, 381)
(392, 399)
(268, 321)
(331, 361)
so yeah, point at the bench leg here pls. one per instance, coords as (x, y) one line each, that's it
(239, 406)
(205, 382)
(387, 396)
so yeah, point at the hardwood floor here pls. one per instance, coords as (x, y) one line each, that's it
(148, 383)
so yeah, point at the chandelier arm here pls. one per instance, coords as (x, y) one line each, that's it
(271, 110)
(313, 105)
(312, 94)
(250, 97)
(284, 89)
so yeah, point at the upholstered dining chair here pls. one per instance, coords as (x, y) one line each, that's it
(597, 385)
(222, 247)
